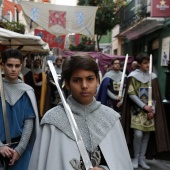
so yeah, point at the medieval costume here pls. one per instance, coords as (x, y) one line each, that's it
(23, 120)
(55, 97)
(56, 149)
(134, 117)
(37, 76)
(27, 76)
(109, 89)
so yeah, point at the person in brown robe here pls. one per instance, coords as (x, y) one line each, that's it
(159, 140)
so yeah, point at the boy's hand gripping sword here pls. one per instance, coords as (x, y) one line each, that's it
(73, 124)
(150, 83)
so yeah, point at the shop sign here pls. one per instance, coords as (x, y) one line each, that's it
(160, 8)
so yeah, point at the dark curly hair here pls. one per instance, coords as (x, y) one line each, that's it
(76, 62)
(11, 53)
(142, 56)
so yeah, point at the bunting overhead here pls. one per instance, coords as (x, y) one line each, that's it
(59, 19)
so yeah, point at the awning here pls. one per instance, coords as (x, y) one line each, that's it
(145, 26)
(24, 42)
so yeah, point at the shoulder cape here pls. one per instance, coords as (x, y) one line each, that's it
(102, 92)
(12, 94)
(96, 118)
(116, 76)
(141, 76)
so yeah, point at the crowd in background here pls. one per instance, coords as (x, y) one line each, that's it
(78, 77)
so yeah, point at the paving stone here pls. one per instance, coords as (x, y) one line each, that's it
(156, 164)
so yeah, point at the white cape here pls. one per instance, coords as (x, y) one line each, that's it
(53, 150)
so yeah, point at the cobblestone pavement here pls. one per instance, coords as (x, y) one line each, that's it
(156, 164)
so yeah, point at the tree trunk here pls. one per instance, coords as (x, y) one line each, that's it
(98, 40)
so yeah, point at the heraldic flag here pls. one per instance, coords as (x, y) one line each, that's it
(60, 19)
(51, 39)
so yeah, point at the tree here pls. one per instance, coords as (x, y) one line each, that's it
(86, 44)
(104, 21)
(120, 3)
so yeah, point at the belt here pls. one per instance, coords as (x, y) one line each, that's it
(13, 140)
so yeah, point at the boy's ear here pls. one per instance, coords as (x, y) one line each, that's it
(67, 85)
(2, 66)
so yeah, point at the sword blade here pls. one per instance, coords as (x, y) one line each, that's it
(13, 143)
(150, 83)
(123, 76)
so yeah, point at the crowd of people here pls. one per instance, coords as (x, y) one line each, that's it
(117, 131)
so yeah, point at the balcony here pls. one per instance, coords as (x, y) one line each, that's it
(134, 19)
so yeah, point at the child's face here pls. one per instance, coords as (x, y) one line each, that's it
(83, 85)
(12, 68)
(144, 66)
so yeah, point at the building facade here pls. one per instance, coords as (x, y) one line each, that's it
(139, 31)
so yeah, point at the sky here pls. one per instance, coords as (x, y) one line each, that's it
(66, 2)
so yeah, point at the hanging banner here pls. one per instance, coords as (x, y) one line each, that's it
(60, 19)
(51, 39)
(160, 8)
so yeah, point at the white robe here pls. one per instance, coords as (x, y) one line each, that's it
(53, 150)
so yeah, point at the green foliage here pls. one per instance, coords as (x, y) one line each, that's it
(105, 14)
(104, 21)
(14, 26)
(89, 2)
(86, 44)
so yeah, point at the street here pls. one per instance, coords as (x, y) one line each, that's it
(157, 164)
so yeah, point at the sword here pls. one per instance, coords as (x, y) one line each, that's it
(9, 144)
(123, 76)
(150, 83)
(73, 124)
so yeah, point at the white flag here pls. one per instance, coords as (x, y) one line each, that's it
(60, 19)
